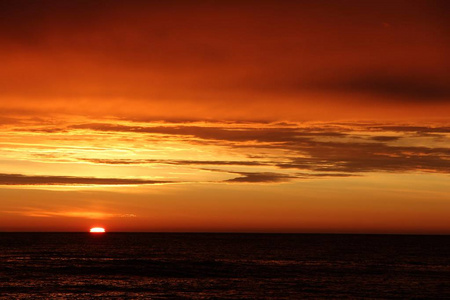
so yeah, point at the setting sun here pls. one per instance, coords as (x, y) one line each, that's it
(97, 230)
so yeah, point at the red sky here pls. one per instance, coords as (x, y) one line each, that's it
(298, 116)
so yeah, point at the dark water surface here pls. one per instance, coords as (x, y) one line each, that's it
(226, 266)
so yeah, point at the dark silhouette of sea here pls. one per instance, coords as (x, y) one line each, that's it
(223, 266)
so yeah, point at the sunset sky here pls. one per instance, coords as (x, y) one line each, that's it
(230, 116)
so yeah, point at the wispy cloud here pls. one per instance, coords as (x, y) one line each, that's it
(262, 177)
(321, 149)
(252, 152)
(19, 179)
(70, 214)
(174, 162)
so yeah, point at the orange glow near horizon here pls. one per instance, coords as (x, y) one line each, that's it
(267, 116)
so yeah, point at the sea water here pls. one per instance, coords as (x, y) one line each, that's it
(224, 266)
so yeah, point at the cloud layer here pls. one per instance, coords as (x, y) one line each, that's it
(135, 153)
(317, 149)
(226, 60)
(19, 179)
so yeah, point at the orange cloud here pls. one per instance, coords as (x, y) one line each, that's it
(262, 60)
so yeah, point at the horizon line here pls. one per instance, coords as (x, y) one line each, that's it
(237, 232)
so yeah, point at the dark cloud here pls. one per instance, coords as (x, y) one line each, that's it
(401, 88)
(410, 128)
(43, 130)
(243, 134)
(385, 138)
(19, 179)
(322, 175)
(371, 157)
(261, 177)
(264, 134)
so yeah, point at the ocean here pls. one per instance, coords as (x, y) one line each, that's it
(223, 266)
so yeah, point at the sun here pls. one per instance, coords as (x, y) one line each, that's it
(97, 230)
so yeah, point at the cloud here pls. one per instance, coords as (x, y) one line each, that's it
(271, 177)
(411, 128)
(272, 151)
(239, 134)
(124, 58)
(320, 148)
(323, 175)
(385, 138)
(71, 214)
(262, 177)
(402, 87)
(173, 162)
(371, 157)
(265, 133)
(19, 179)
